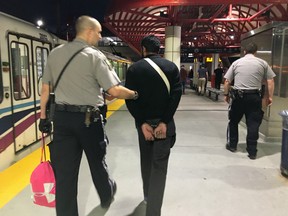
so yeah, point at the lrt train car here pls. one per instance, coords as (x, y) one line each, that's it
(24, 49)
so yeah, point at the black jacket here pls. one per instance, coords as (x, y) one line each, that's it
(154, 101)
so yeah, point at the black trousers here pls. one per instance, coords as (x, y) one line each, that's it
(71, 138)
(250, 106)
(218, 83)
(154, 156)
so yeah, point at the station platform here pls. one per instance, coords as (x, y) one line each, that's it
(204, 179)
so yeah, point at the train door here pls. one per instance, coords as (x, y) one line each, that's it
(24, 95)
(41, 51)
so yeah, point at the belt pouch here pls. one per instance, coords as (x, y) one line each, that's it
(50, 107)
(262, 91)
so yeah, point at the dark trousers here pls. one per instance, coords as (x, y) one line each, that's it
(154, 158)
(71, 138)
(218, 83)
(250, 106)
(183, 86)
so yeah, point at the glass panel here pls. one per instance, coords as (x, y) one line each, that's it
(120, 68)
(281, 40)
(20, 71)
(114, 65)
(41, 59)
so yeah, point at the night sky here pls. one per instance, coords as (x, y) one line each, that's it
(56, 14)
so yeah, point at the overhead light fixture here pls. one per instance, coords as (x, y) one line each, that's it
(39, 23)
(163, 14)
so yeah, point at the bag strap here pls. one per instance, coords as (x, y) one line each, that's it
(43, 151)
(62, 71)
(160, 72)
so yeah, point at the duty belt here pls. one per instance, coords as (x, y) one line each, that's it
(248, 91)
(73, 108)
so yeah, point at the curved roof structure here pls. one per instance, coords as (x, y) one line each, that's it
(215, 23)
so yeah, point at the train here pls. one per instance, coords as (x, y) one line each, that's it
(24, 49)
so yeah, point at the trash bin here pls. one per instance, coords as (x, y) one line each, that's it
(284, 149)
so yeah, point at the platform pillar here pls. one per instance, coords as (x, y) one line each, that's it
(173, 44)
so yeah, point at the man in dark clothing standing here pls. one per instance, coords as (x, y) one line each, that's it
(153, 113)
(218, 76)
(183, 78)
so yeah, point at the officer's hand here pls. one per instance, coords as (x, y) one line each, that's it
(269, 101)
(227, 99)
(45, 126)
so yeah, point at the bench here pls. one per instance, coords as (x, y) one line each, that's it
(213, 91)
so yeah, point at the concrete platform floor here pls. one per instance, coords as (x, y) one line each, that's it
(204, 179)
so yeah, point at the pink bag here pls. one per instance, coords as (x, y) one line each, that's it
(42, 181)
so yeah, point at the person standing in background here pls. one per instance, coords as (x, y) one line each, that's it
(247, 73)
(202, 74)
(153, 113)
(183, 78)
(218, 76)
(78, 122)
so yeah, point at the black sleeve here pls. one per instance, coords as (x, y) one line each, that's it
(134, 105)
(175, 96)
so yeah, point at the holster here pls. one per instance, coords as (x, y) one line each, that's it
(232, 93)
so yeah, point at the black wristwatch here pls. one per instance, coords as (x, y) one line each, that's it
(136, 95)
(226, 94)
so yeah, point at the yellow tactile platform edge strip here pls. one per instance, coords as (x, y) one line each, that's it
(15, 178)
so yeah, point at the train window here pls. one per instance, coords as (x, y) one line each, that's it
(120, 70)
(20, 71)
(115, 66)
(41, 59)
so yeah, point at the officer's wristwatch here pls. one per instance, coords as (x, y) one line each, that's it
(136, 95)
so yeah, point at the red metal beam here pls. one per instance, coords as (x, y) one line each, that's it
(119, 5)
(213, 22)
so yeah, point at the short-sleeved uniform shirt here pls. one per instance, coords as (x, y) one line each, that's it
(248, 72)
(84, 78)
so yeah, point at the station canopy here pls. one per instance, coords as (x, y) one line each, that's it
(214, 23)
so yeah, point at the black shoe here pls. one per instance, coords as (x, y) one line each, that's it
(230, 148)
(108, 202)
(252, 157)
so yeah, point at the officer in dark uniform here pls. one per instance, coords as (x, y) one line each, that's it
(78, 123)
(153, 113)
(247, 73)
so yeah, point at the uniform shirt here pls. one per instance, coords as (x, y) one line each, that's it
(154, 101)
(248, 72)
(84, 77)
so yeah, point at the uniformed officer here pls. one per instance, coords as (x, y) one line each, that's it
(247, 73)
(78, 124)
